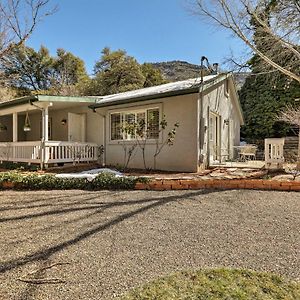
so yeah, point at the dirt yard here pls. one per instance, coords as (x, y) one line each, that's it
(103, 243)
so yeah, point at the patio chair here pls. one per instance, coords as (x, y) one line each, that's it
(248, 152)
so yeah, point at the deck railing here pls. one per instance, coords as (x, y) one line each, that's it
(48, 152)
(274, 151)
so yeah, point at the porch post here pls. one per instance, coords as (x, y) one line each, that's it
(45, 137)
(15, 135)
(15, 127)
(45, 122)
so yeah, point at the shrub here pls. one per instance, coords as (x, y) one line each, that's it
(18, 166)
(50, 182)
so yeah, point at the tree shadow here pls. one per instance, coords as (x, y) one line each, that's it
(46, 253)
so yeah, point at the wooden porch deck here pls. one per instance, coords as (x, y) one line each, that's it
(50, 152)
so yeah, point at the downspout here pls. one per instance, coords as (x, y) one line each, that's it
(202, 162)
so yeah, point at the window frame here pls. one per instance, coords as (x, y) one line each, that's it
(132, 110)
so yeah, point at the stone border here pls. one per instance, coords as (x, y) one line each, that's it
(184, 184)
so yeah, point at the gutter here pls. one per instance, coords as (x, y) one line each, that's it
(19, 101)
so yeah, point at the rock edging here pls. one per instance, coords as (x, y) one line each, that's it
(255, 184)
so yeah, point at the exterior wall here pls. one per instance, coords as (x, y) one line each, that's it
(218, 101)
(7, 136)
(93, 124)
(182, 156)
(59, 132)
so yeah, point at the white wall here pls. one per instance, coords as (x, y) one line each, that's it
(94, 132)
(182, 156)
(222, 104)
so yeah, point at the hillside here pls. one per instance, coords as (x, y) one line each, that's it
(180, 70)
(177, 70)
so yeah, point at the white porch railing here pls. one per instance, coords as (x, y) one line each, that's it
(59, 152)
(52, 152)
(274, 151)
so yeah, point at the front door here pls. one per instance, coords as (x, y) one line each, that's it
(76, 127)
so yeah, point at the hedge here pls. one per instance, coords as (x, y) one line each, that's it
(103, 181)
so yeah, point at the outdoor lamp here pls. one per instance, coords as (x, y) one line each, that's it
(63, 121)
(27, 126)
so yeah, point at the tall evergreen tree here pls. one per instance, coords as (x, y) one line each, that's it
(264, 94)
(38, 71)
(117, 72)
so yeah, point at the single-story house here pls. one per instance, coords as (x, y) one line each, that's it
(59, 129)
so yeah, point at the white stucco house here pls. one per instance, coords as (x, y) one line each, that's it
(54, 129)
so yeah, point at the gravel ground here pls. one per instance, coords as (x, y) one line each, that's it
(113, 241)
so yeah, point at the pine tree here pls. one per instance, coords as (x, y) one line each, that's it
(264, 94)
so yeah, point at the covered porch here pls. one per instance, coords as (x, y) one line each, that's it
(49, 130)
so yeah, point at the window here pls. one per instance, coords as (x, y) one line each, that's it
(153, 123)
(150, 117)
(115, 126)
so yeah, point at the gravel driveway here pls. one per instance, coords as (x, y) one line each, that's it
(113, 241)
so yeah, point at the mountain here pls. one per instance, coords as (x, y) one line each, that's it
(177, 70)
(180, 70)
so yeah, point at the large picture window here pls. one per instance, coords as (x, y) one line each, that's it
(120, 119)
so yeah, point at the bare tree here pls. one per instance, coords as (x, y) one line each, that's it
(291, 115)
(277, 40)
(18, 19)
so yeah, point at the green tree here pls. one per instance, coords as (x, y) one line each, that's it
(261, 100)
(39, 72)
(26, 68)
(264, 94)
(117, 72)
(68, 73)
(152, 75)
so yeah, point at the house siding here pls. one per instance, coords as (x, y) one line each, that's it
(222, 104)
(182, 156)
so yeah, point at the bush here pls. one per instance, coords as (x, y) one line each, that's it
(7, 165)
(218, 284)
(50, 182)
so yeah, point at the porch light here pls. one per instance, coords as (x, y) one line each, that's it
(63, 121)
(226, 121)
(27, 126)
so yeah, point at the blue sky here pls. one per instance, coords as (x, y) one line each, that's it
(151, 31)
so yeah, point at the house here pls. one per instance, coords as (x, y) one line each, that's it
(55, 129)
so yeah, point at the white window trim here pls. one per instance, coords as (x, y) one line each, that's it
(133, 109)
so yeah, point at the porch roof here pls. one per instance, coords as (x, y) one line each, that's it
(27, 103)
(46, 98)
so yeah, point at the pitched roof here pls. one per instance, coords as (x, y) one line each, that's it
(161, 91)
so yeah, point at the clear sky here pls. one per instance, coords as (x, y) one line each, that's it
(149, 30)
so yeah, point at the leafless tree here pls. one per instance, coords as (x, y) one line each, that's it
(291, 115)
(277, 40)
(18, 19)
